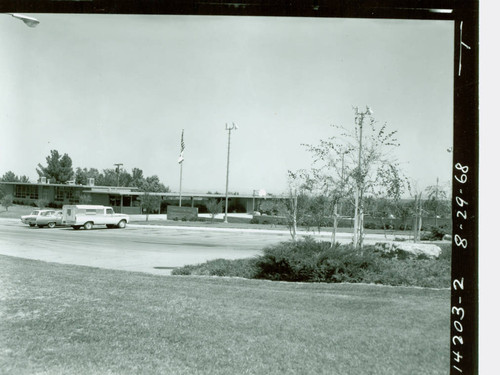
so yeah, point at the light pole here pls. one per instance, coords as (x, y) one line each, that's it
(29, 21)
(228, 128)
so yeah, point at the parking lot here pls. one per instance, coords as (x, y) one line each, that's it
(152, 249)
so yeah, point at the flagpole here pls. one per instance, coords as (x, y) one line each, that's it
(180, 188)
(181, 160)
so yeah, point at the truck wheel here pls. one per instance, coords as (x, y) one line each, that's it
(88, 225)
(75, 226)
(122, 224)
(51, 225)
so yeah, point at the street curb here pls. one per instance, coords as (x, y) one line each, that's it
(341, 235)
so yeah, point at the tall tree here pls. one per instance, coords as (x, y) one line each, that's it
(357, 163)
(153, 184)
(404, 210)
(9, 177)
(295, 204)
(149, 203)
(12, 177)
(137, 177)
(214, 207)
(108, 177)
(82, 175)
(436, 200)
(59, 168)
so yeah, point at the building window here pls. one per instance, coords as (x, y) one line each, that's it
(66, 194)
(26, 191)
(127, 201)
(114, 200)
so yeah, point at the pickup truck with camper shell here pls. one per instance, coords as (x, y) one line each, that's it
(87, 216)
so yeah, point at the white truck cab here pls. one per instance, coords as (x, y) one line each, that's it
(87, 216)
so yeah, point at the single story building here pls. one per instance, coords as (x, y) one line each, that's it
(122, 199)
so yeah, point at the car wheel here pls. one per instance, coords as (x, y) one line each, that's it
(51, 225)
(122, 224)
(75, 226)
(88, 225)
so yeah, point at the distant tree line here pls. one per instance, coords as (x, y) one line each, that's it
(12, 177)
(59, 170)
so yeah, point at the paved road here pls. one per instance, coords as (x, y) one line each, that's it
(135, 248)
(143, 248)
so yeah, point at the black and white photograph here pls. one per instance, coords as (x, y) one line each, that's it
(233, 193)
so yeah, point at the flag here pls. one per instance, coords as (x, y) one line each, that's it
(181, 155)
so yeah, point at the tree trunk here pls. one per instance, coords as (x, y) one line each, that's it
(418, 216)
(415, 222)
(294, 225)
(361, 226)
(356, 219)
(383, 226)
(334, 231)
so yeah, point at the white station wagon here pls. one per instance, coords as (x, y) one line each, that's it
(87, 216)
(42, 218)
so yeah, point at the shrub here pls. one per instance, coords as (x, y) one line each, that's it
(310, 261)
(41, 203)
(7, 201)
(435, 234)
(221, 267)
(254, 220)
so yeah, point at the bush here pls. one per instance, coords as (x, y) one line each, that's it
(310, 261)
(41, 203)
(370, 226)
(221, 267)
(7, 201)
(435, 234)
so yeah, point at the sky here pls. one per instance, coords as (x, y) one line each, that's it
(109, 89)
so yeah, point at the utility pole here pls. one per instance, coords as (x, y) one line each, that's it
(118, 165)
(232, 127)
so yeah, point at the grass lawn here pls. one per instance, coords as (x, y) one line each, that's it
(15, 211)
(60, 319)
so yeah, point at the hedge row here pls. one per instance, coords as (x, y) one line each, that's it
(311, 261)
